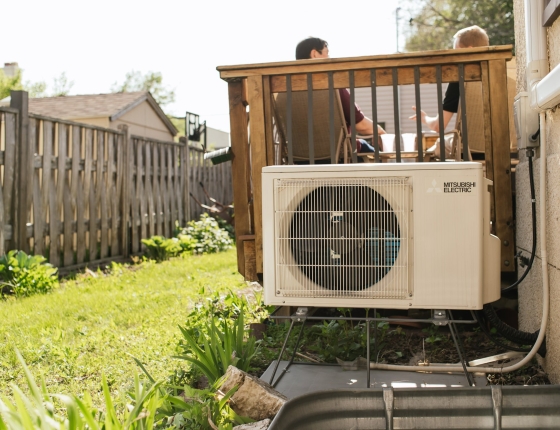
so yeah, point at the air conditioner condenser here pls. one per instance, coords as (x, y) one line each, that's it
(392, 235)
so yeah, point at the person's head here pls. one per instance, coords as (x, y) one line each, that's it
(470, 37)
(312, 47)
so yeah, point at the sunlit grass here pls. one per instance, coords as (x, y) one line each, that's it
(94, 325)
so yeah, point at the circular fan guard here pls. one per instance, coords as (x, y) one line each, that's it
(344, 237)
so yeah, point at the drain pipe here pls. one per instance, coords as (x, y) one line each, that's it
(545, 94)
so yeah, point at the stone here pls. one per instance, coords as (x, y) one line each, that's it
(254, 398)
(259, 425)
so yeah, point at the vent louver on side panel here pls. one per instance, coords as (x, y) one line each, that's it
(343, 237)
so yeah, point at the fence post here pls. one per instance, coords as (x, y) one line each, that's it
(19, 101)
(125, 192)
(185, 172)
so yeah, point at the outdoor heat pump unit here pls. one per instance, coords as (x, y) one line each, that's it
(390, 235)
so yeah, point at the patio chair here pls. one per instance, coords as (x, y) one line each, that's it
(476, 123)
(321, 129)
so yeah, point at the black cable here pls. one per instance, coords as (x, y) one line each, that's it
(510, 333)
(480, 318)
(534, 221)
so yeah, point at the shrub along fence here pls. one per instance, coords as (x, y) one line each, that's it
(80, 194)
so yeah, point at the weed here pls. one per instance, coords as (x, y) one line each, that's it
(24, 275)
(216, 346)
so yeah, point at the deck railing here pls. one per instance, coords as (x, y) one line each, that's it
(255, 144)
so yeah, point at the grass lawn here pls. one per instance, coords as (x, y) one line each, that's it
(94, 325)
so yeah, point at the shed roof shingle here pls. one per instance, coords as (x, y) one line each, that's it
(94, 105)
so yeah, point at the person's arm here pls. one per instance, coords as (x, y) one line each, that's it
(365, 127)
(433, 121)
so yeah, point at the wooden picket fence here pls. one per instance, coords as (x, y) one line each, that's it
(80, 194)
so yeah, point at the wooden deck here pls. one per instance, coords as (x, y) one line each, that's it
(254, 147)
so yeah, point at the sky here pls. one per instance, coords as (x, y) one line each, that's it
(97, 43)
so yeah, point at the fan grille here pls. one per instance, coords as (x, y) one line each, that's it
(342, 237)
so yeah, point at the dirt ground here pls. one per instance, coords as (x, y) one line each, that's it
(404, 343)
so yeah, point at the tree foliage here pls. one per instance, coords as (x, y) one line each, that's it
(61, 86)
(434, 22)
(151, 81)
(8, 83)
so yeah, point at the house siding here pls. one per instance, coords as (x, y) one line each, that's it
(143, 121)
(530, 290)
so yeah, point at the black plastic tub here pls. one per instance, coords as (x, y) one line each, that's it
(491, 407)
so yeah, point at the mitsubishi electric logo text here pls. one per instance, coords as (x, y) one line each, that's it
(452, 187)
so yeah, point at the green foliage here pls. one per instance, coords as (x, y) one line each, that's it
(214, 347)
(434, 22)
(37, 410)
(190, 408)
(9, 83)
(23, 275)
(207, 235)
(90, 325)
(199, 237)
(151, 81)
(433, 335)
(159, 248)
(61, 86)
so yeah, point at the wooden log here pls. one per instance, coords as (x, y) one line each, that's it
(240, 166)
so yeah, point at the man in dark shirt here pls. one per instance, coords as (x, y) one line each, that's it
(313, 48)
(469, 37)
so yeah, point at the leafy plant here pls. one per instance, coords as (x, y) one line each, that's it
(204, 236)
(24, 275)
(213, 348)
(159, 248)
(433, 335)
(37, 411)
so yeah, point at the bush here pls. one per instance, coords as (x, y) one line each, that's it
(23, 275)
(204, 236)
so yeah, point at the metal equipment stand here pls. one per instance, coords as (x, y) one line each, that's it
(302, 314)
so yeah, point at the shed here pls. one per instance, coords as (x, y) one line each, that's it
(138, 110)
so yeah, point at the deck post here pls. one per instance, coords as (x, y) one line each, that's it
(20, 101)
(240, 167)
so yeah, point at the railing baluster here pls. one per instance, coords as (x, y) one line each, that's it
(419, 140)
(289, 119)
(440, 114)
(373, 78)
(464, 134)
(397, 110)
(310, 118)
(331, 118)
(352, 116)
